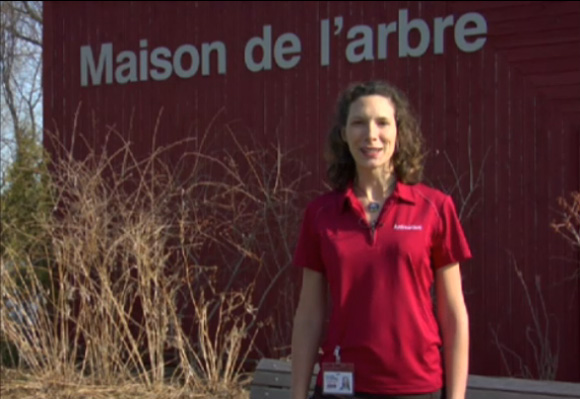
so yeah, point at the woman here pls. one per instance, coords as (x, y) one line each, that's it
(376, 244)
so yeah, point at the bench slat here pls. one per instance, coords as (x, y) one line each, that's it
(531, 387)
(493, 394)
(283, 366)
(275, 379)
(272, 380)
(270, 393)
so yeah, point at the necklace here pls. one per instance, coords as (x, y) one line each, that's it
(373, 207)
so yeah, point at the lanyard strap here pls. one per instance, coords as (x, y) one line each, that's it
(337, 353)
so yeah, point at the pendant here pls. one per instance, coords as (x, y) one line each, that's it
(373, 207)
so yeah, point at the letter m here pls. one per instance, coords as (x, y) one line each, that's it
(88, 65)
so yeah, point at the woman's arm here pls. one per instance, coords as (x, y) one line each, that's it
(454, 324)
(307, 331)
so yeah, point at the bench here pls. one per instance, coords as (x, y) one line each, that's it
(272, 381)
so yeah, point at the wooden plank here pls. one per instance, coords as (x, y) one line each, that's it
(515, 10)
(505, 41)
(548, 65)
(555, 79)
(278, 365)
(569, 105)
(569, 92)
(465, 6)
(275, 379)
(271, 393)
(273, 364)
(530, 387)
(272, 379)
(545, 51)
(540, 24)
(492, 394)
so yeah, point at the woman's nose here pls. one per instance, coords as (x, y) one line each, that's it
(373, 130)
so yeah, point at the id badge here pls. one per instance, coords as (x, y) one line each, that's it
(338, 379)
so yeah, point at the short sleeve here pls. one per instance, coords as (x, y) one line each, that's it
(307, 253)
(450, 245)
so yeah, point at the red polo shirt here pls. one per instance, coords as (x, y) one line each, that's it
(380, 281)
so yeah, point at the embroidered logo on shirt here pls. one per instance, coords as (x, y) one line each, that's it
(415, 227)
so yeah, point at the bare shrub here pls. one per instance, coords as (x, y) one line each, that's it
(156, 277)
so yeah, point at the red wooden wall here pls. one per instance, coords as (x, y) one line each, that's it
(502, 123)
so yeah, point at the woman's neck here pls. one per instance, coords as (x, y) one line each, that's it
(375, 185)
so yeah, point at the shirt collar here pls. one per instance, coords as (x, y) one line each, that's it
(402, 192)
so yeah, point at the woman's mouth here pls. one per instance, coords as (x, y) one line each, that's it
(371, 152)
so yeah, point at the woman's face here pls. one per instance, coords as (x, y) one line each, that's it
(371, 132)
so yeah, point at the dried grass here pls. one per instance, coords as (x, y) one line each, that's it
(158, 282)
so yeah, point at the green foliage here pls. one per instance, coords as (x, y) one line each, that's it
(25, 202)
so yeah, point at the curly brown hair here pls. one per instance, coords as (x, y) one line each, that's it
(408, 157)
